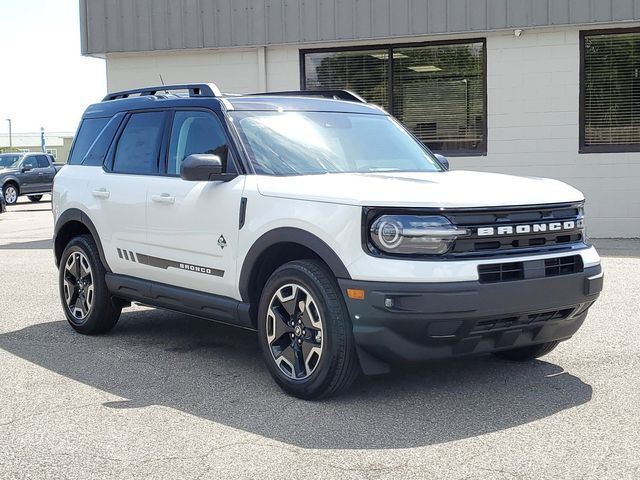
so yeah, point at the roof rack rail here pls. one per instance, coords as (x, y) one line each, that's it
(195, 90)
(334, 94)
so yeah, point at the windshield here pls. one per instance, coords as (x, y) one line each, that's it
(302, 143)
(8, 161)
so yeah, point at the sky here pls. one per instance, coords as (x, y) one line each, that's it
(44, 80)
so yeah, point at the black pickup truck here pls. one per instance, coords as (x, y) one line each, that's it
(29, 173)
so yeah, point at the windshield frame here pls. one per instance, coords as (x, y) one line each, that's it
(243, 146)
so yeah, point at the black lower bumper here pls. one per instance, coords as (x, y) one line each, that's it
(422, 321)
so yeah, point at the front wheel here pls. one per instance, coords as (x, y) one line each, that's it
(305, 332)
(10, 193)
(85, 298)
(524, 354)
(34, 198)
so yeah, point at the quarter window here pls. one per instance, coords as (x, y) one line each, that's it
(139, 144)
(610, 92)
(196, 132)
(89, 130)
(437, 90)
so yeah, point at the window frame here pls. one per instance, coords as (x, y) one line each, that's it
(582, 126)
(481, 151)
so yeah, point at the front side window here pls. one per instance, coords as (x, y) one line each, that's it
(302, 143)
(438, 91)
(31, 161)
(196, 132)
(610, 92)
(139, 145)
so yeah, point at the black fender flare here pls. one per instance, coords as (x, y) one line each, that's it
(77, 215)
(288, 235)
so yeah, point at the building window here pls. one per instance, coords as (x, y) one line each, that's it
(437, 90)
(53, 152)
(610, 91)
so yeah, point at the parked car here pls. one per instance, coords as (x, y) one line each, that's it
(317, 220)
(29, 173)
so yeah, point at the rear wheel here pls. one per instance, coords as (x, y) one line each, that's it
(305, 333)
(34, 198)
(85, 298)
(525, 354)
(10, 193)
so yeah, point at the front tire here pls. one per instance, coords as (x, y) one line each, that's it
(86, 301)
(305, 332)
(10, 193)
(525, 354)
(34, 198)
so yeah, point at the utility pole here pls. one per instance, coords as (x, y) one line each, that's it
(10, 139)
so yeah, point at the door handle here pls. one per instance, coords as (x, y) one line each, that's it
(101, 193)
(163, 198)
(40, 173)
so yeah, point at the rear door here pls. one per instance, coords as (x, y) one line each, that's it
(46, 173)
(117, 194)
(193, 226)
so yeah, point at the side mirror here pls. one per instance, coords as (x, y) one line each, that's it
(443, 160)
(26, 168)
(203, 167)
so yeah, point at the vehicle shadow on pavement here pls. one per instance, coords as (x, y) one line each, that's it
(46, 244)
(216, 372)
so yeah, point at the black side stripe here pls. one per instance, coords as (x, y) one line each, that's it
(126, 255)
(120, 253)
(165, 264)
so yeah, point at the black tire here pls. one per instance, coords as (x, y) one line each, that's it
(104, 312)
(525, 354)
(9, 197)
(34, 198)
(337, 366)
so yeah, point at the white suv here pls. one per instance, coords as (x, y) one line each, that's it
(319, 221)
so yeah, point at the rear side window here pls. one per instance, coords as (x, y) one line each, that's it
(42, 161)
(89, 130)
(139, 144)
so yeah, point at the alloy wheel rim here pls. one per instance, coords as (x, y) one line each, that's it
(10, 195)
(295, 331)
(78, 285)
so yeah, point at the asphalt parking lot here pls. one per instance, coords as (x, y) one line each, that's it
(169, 396)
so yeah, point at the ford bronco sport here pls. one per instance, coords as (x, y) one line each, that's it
(317, 220)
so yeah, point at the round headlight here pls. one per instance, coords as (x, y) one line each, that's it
(414, 235)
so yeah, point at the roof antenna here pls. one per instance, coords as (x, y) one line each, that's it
(162, 83)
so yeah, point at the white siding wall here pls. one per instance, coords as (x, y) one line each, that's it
(533, 92)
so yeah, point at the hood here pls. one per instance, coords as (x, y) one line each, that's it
(420, 189)
(7, 170)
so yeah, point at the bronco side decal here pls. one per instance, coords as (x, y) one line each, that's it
(165, 263)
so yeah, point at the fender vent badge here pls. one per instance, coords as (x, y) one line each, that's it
(222, 242)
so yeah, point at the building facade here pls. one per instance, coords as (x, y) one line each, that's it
(529, 87)
(57, 144)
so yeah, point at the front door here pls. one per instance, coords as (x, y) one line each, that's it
(193, 226)
(29, 177)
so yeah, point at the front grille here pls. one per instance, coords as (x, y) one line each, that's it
(500, 272)
(497, 324)
(563, 266)
(512, 230)
(512, 271)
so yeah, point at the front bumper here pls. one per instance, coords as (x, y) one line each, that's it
(421, 321)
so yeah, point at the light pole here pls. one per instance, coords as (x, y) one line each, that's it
(10, 139)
